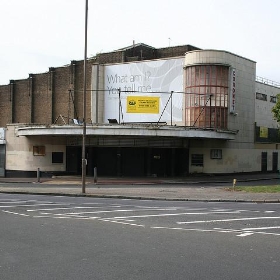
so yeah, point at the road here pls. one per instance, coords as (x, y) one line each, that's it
(53, 237)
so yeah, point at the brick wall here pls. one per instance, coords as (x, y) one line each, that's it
(60, 93)
(42, 98)
(42, 102)
(175, 51)
(5, 105)
(79, 89)
(112, 57)
(21, 102)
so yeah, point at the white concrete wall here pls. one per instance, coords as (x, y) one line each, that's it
(233, 160)
(239, 155)
(19, 152)
(263, 114)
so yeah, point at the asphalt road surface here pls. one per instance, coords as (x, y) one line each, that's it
(53, 237)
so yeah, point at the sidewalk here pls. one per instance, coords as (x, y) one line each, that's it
(216, 188)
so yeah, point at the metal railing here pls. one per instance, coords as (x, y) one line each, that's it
(267, 81)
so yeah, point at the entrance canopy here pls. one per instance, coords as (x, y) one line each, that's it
(134, 130)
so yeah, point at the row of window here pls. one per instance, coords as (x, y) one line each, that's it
(263, 97)
(197, 159)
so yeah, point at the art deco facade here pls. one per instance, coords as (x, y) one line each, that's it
(150, 112)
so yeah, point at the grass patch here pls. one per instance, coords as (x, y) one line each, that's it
(260, 189)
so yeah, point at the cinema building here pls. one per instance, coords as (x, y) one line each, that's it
(149, 112)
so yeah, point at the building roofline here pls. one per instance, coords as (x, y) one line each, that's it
(214, 50)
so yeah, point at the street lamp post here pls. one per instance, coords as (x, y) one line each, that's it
(84, 163)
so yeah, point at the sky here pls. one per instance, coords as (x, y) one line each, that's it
(39, 34)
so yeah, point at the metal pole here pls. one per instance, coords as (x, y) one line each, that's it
(210, 112)
(95, 175)
(38, 175)
(84, 107)
(97, 94)
(119, 105)
(171, 105)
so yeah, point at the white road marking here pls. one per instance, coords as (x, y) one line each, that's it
(130, 220)
(64, 208)
(119, 210)
(17, 201)
(15, 213)
(220, 210)
(91, 203)
(259, 228)
(240, 233)
(48, 209)
(186, 229)
(123, 223)
(147, 216)
(267, 233)
(173, 214)
(245, 234)
(228, 220)
(10, 199)
(9, 212)
(69, 208)
(30, 205)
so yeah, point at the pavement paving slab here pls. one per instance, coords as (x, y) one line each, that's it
(192, 188)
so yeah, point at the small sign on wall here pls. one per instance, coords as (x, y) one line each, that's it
(39, 150)
(263, 132)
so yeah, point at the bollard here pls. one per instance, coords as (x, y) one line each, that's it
(38, 175)
(233, 184)
(95, 175)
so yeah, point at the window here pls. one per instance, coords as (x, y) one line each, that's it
(57, 157)
(206, 101)
(216, 154)
(273, 99)
(197, 159)
(261, 96)
(39, 151)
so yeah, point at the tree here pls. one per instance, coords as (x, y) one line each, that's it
(276, 109)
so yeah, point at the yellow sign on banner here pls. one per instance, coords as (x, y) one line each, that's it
(263, 132)
(142, 104)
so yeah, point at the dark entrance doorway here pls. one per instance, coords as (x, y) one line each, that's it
(74, 160)
(264, 161)
(129, 161)
(2, 160)
(274, 162)
(117, 161)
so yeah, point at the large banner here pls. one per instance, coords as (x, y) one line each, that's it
(139, 91)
